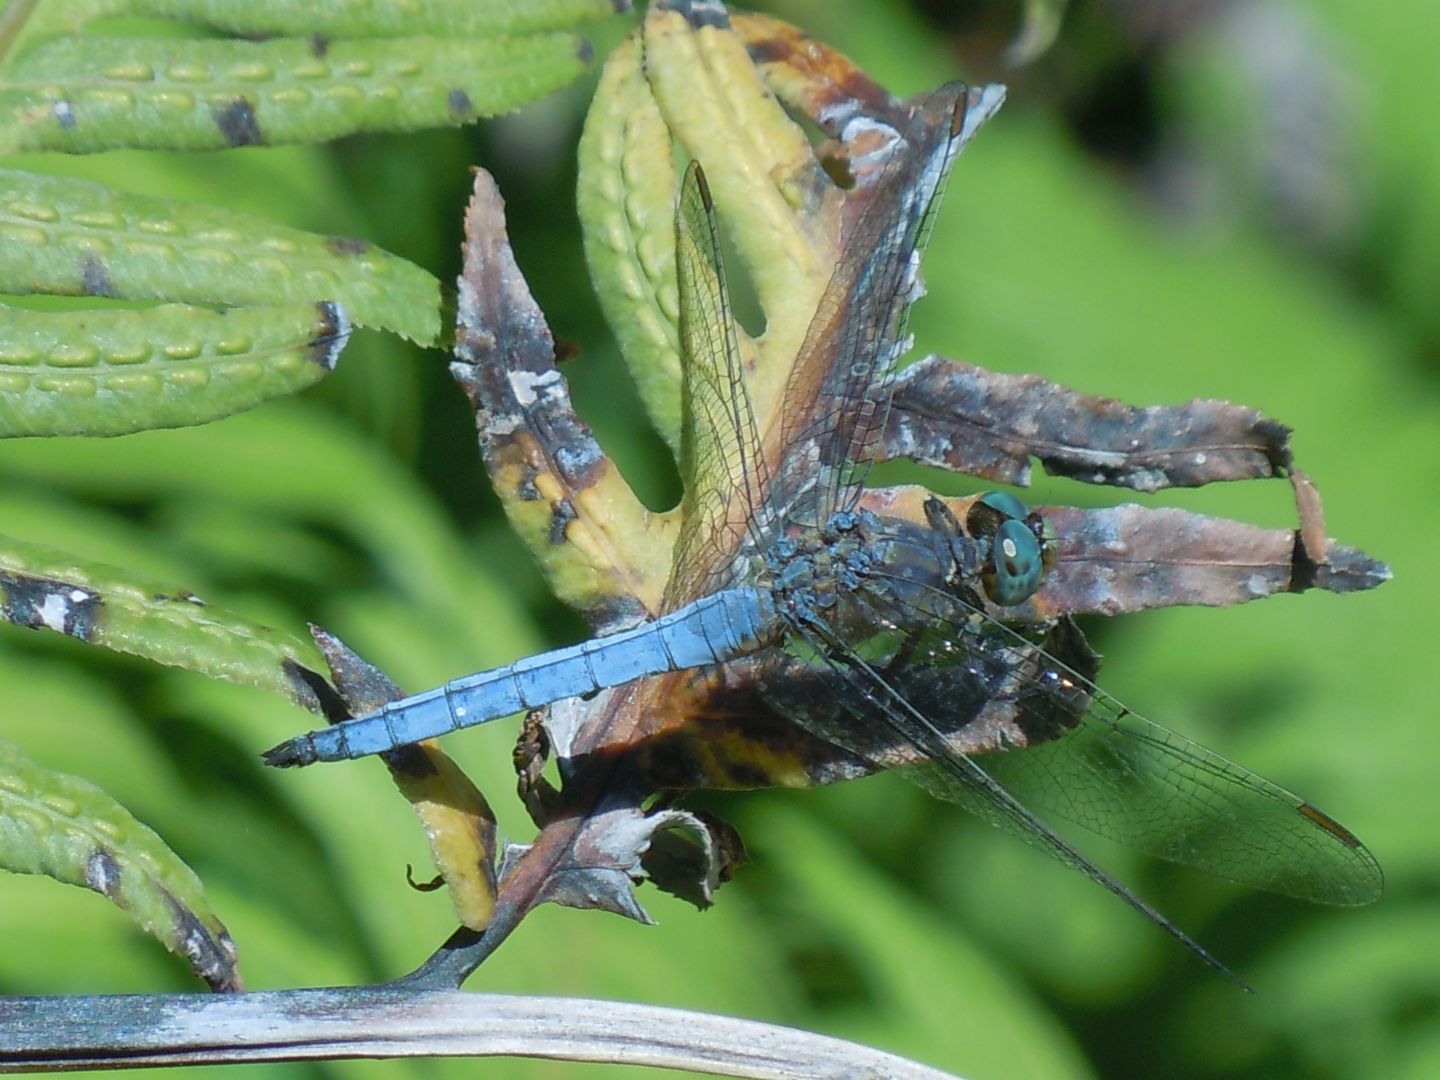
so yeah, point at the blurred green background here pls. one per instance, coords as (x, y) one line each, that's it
(1178, 200)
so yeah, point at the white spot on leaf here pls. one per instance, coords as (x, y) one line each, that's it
(53, 612)
(529, 385)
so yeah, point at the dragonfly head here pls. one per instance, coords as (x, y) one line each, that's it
(1017, 552)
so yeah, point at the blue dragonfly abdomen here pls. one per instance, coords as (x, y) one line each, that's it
(714, 628)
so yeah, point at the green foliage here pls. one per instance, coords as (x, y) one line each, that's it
(76, 238)
(284, 296)
(350, 18)
(870, 910)
(120, 610)
(113, 372)
(625, 197)
(82, 94)
(68, 829)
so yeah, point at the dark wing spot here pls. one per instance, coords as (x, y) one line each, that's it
(460, 103)
(1329, 824)
(237, 123)
(95, 278)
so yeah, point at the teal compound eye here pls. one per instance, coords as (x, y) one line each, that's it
(1016, 563)
(1005, 504)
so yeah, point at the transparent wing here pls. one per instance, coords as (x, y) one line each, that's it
(1058, 743)
(838, 395)
(870, 697)
(721, 462)
(1131, 780)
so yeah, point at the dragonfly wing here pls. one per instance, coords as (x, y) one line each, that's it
(721, 462)
(838, 395)
(1061, 744)
(1129, 779)
(874, 701)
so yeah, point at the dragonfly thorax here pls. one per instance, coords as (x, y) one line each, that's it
(835, 572)
(838, 570)
(811, 570)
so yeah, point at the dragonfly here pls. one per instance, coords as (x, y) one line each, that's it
(891, 639)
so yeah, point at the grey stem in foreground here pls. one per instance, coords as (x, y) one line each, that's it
(54, 1034)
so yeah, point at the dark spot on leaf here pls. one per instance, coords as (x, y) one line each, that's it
(212, 957)
(44, 603)
(94, 278)
(237, 123)
(181, 596)
(560, 518)
(325, 346)
(319, 45)
(310, 690)
(837, 169)
(346, 245)
(768, 51)
(585, 51)
(614, 611)
(1276, 438)
(707, 13)
(102, 873)
(460, 103)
